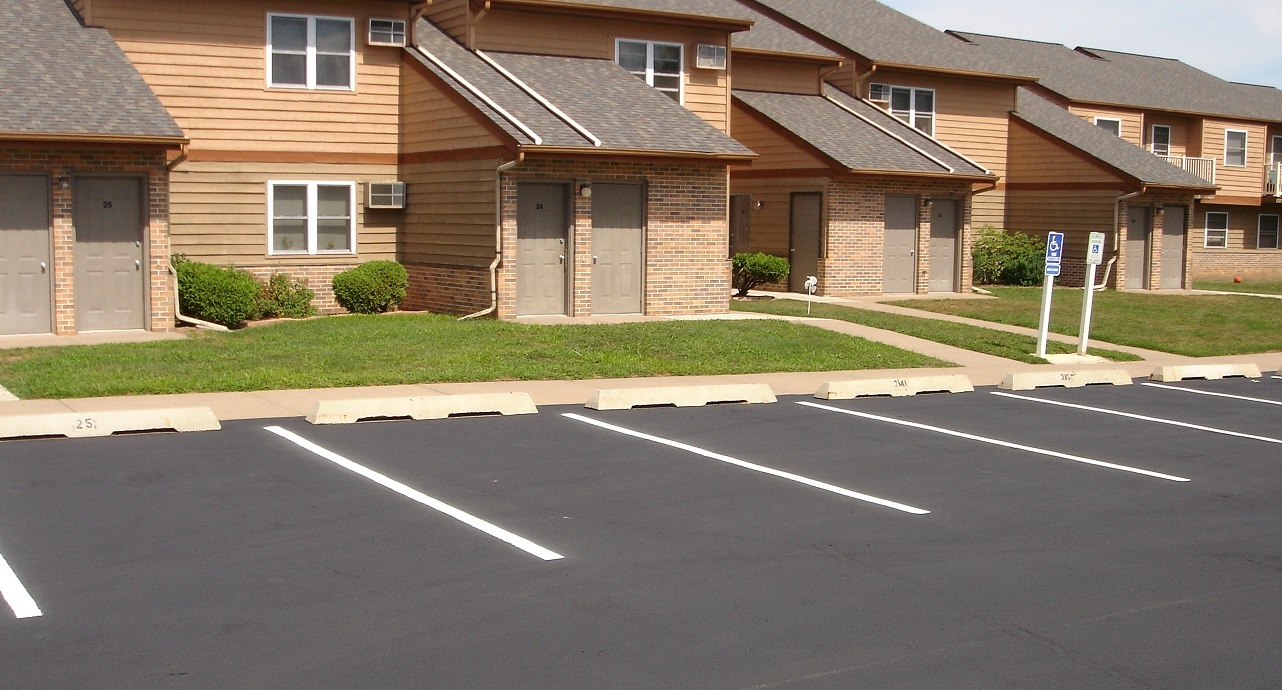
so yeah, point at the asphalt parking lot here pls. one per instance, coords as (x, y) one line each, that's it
(1105, 537)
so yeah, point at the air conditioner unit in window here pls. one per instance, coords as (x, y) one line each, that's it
(384, 195)
(710, 57)
(879, 93)
(387, 32)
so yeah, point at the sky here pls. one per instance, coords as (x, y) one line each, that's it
(1237, 40)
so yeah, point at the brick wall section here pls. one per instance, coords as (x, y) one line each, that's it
(686, 235)
(456, 290)
(1225, 264)
(1073, 271)
(66, 161)
(318, 278)
(856, 219)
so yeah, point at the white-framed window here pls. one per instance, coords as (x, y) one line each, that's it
(1277, 149)
(308, 217)
(311, 52)
(1266, 235)
(661, 65)
(1234, 148)
(1217, 230)
(1160, 140)
(1111, 125)
(916, 107)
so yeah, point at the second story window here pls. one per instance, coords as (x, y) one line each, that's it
(1235, 148)
(1111, 125)
(916, 107)
(306, 52)
(658, 64)
(1161, 140)
(1277, 149)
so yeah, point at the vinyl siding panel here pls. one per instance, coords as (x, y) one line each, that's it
(707, 92)
(1236, 181)
(780, 76)
(1132, 120)
(434, 122)
(1035, 159)
(207, 63)
(450, 16)
(450, 215)
(775, 152)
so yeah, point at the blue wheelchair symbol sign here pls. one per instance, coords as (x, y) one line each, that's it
(1054, 247)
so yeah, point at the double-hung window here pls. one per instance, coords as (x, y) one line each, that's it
(311, 217)
(1111, 125)
(307, 52)
(916, 107)
(658, 64)
(1235, 148)
(1266, 236)
(1160, 140)
(1277, 149)
(1217, 230)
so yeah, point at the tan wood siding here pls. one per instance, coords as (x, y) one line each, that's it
(1181, 132)
(988, 208)
(207, 63)
(434, 122)
(781, 76)
(1236, 181)
(844, 79)
(774, 151)
(218, 211)
(707, 92)
(450, 16)
(1243, 227)
(1077, 213)
(1132, 120)
(770, 208)
(449, 218)
(1035, 159)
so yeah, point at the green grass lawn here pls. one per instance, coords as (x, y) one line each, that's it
(975, 338)
(1258, 287)
(417, 348)
(1193, 325)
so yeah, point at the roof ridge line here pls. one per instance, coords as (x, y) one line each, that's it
(542, 100)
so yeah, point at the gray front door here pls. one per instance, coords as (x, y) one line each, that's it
(542, 257)
(899, 250)
(1137, 230)
(806, 222)
(24, 255)
(618, 235)
(110, 275)
(943, 245)
(1173, 218)
(740, 223)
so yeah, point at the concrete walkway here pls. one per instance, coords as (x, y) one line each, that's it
(982, 369)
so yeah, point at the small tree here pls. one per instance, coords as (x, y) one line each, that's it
(751, 270)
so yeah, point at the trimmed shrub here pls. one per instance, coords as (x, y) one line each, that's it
(223, 296)
(751, 270)
(371, 288)
(280, 296)
(1003, 258)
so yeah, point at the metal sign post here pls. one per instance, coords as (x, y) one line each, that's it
(1094, 255)
(1054, 255)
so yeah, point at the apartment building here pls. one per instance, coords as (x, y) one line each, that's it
(84, 190)
(1228, 134)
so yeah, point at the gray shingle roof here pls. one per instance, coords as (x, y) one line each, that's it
(717, 9)
(60, 78)
(612, 104)
(1101, 145)
(770, 36)
(1140, 81)
(887, 36)
(853, 142)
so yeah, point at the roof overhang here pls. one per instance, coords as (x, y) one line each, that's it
(792, 57)
(120, 140)
(725, 23)
(530, 150)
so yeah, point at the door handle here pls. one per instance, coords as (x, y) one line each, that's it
(137, 265)
(44, 267)
(593, 259)
(561, 259)
(912, 252)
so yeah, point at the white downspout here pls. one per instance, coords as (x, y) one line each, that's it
(191, 319)
(1117, 232)
(498, 239)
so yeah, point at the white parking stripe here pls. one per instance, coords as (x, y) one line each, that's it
(1145, 418)
(382, 480)
(997, 442)
(1218, 395)
(748, 465)
(15, 594)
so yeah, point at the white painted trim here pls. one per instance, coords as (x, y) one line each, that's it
(1152, 140)
(1118, 120)
(891, 134)
(312, 206)
(649, 62)
(913, 110)
(539, 97)
(538, 140)
(310, 54)
(1206, 230)
(1276, 153)
(1246, 147)
(1277, 226)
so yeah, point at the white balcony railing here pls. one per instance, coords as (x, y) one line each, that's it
(1202, 167)
(1273, 180)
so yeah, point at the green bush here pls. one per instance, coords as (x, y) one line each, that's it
(280, 296)
(224, 296)
(371, 288)
(1003, 258)
(751, 270)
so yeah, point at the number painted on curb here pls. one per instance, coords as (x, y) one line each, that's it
(84, 424)
(901, 383)
(1068, 377)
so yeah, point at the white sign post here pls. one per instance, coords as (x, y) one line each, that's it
(1054, 254)
(1094, 256)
